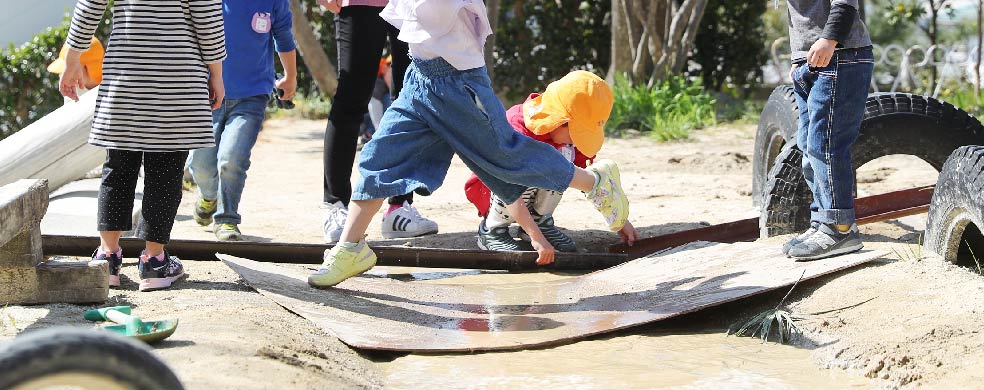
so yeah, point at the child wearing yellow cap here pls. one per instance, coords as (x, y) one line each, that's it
(566, 116)
(447, 108)
(92, 64)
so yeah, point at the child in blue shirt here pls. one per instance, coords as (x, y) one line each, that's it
(254, 30)
(447, 107)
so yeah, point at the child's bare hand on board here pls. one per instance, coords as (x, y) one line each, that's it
(544, 251)
(628, 233)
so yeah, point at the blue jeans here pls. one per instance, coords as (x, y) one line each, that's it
(831, 101)
(442, 111)
(220, 171)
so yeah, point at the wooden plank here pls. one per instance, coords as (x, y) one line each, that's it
(378, 313)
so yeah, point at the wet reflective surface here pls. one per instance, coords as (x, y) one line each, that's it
(662, 358)
(441, 316)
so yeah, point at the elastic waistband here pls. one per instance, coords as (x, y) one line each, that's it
(436, 67)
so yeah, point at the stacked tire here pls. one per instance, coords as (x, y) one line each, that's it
(894, 123)
(955, 214)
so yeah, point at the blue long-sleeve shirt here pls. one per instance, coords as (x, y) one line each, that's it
(254, 29)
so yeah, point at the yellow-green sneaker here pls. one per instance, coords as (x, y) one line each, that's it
(204, 209)
(341, 263)
(607, 196)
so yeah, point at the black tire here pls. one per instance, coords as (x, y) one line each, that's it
(894, 123)
(92, 354)
(957, 208)
(777, 124)
(783, 211)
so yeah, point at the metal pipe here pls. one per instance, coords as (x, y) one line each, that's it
(869, 209)
(312, 254)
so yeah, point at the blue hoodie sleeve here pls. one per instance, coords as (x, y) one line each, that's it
(283, 37)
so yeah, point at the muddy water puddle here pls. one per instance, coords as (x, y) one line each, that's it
(680, 357)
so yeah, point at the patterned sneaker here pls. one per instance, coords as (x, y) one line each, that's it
(115, 261)
(406, 222)
(204, 209)
(333, 221)
(342, 262)
(159, 272)
(607, 196)
(827, 242)
(227, 232)
(498, 239)
(799, 238)
(560, 241)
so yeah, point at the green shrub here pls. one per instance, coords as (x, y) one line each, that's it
(668, 111)
(731, 45)
(962, 97)
(29, 91)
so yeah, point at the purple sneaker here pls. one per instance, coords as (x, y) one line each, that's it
(115, 261)
(159, 272)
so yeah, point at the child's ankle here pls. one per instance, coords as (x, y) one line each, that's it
(391, 208)
(108, 251)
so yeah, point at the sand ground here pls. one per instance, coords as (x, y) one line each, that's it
(919, 326)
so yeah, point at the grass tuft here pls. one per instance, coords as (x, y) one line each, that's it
(977, 262)
(668, 111)
(911, 252)
(761, 325)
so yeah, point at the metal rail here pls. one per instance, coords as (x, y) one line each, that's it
(312, 254)
(869, 209)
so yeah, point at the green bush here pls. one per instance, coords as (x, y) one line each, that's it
(30, 92)
(962, 97)
(731, 45)
(539, 41)
(668, 111)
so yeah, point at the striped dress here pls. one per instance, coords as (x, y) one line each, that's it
(154, 93)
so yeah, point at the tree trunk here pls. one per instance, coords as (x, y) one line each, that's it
(652, 39)
(493, 8)
(977, 62)
(314, 56)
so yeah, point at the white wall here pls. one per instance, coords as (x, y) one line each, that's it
(22, 19)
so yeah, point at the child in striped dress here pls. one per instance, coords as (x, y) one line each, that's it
(162, 77)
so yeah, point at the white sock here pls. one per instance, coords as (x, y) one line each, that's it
(349, 244)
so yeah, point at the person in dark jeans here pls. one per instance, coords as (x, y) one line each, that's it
(832, 66)
(361, 35)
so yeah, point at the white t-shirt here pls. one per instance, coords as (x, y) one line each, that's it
(455, 30)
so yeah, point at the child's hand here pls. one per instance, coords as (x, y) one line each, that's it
(544, 251)
(331, 5)
(628, 233)
(792, 71)
(289, 86)
(73, 77)
(216, 92)
(821, 52)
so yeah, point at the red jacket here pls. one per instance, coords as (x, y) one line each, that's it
(480, 195)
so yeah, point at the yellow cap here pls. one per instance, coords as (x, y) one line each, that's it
(582, 100)
(92, 59)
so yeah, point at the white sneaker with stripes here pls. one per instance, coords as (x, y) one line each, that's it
(406, 222)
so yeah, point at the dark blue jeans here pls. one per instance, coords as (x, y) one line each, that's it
(831, 101)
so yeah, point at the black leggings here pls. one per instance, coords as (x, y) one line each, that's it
(360, 35)
(161, 197)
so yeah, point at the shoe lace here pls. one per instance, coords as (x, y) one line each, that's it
(820, 239)
(413, 211)
(227, 226)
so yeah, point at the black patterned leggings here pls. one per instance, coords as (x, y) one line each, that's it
(161, 197)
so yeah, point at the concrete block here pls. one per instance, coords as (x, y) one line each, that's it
(25, 276)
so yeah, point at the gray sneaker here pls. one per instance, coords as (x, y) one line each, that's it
(499, 239)
(827, 242)
(227, 232)
(799, 238)
(560, 241)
